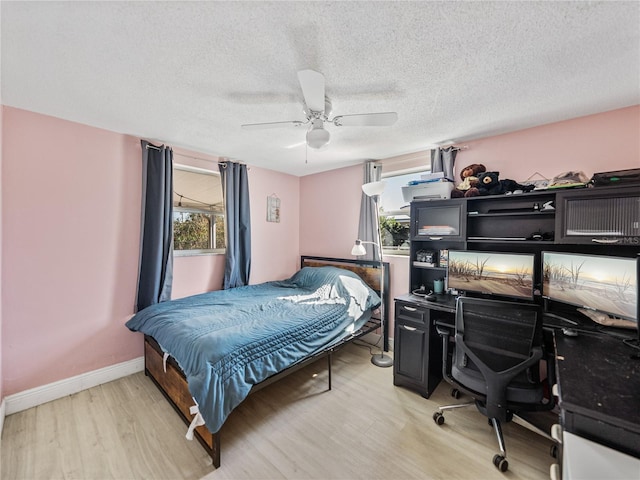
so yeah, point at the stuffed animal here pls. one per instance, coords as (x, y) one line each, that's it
(490, 184)
(469, 177)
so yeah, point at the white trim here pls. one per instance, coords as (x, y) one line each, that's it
(52, 391)
(3, 406)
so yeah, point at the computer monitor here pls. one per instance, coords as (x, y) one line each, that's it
(599, 283)
(493, 273)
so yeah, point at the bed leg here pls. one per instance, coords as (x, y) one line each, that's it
(329, 368)
(215, 453)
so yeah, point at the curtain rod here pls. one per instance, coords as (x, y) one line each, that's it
(455, 147)
(188, 156)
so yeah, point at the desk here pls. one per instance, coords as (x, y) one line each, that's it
(599, 390)
(598, 381)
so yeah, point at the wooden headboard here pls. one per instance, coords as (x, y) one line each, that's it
(368, 270)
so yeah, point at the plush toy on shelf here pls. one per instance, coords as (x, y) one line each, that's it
(469, 176)
(490, 184)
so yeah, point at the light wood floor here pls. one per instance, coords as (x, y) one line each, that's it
(364, 428)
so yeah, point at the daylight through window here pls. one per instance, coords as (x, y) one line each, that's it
(198, 212)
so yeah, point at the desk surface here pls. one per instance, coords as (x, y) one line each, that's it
(443, 302)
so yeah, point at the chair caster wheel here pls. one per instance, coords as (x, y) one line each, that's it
(501, 463)
(455, 393)
(438, 418)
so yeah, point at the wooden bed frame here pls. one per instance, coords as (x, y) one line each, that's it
(173, 383)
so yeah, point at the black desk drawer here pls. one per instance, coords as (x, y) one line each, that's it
(412, 313)
(417, 349)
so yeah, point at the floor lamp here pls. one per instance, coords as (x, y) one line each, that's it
(374, 190)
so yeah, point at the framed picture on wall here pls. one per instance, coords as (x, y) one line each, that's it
(273, 208)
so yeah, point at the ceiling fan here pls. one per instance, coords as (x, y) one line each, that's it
(317, 110)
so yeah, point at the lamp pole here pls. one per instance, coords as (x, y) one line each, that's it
(373, 190)
(381, 360)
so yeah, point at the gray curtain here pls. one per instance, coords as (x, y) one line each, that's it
(442, 160)
(235, 190)
(368, 226)
(155, 268)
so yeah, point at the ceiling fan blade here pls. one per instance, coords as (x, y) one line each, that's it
(312, 84)
(366, 120)
(261, 126)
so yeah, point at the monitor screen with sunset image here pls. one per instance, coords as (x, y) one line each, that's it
(596, 282)
(494, 273)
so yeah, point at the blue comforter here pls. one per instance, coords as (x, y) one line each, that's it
(229, 340)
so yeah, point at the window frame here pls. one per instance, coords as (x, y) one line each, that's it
(211, 214)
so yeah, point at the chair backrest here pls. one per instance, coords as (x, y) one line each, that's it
(501, 340)
(501, 333)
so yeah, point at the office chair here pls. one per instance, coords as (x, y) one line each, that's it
(496, 360)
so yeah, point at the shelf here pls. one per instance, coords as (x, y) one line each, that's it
(511, 214)
(508, 240)
(426, 265)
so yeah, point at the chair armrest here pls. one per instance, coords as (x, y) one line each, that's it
(443, 331)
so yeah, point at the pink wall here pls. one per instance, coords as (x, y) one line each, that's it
(275, 246)
(595, 143)
(329, 212)
(71, 232)
(70, 217)
(330, 201)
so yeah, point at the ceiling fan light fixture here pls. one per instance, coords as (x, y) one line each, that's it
(317, 138)
(317, 108)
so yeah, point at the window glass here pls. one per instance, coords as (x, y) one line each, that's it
(198, 212)
(394, 213)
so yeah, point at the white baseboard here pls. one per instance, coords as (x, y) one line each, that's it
(52, 391)
(3, 406)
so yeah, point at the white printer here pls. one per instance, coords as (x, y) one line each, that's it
(428, 191)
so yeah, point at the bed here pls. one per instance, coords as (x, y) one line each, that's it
(208, 352)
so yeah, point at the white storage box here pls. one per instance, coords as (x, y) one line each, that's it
(427, 191)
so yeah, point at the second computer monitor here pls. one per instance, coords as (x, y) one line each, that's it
(602, 283)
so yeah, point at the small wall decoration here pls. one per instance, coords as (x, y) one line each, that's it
(273, 208)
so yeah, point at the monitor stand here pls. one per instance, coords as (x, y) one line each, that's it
(604, 319)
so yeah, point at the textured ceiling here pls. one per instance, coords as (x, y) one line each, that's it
(190, 73)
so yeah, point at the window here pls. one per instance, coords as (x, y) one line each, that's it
(198, 212)
(394, 209)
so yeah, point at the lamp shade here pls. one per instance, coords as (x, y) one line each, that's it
(373, 188)
(358, 249)
(317, 138)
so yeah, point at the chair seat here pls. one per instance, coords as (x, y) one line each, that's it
(518, 391)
